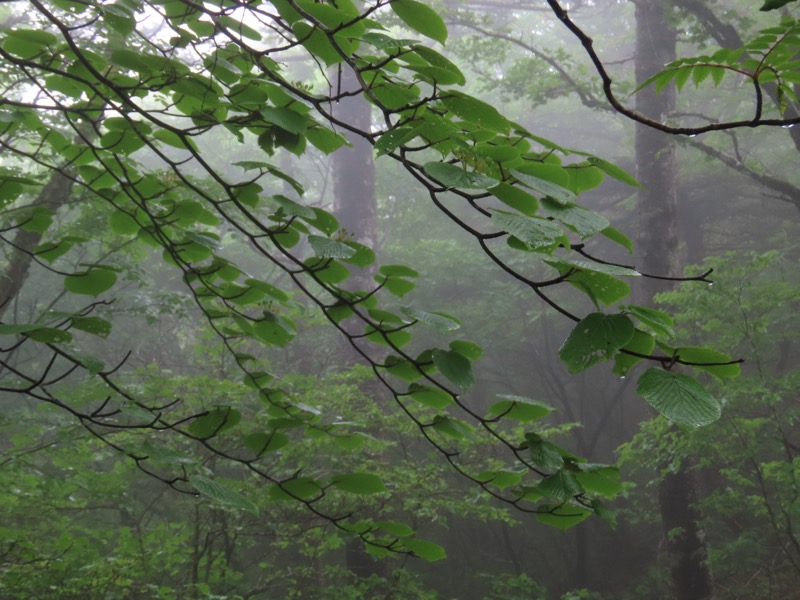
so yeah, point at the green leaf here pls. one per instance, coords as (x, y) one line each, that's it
(421, 18)
(595, 339)
(475, 111)
(641, 343)
(93, 282)
(603, 480)
(452, 427)
(394, 528)
(618, 238)
(516, 198)
(562, 516)
(441, 322)
(440, 62)
(549, 189)
(397, 271)
(775, 4)
(657, 321)
(430, 396)
(214, 422)
(585, 223)
(454, 176)
(261, 443)
(165, 455)
(501, 479)
(681, 399)
(303, 488)
(274, 329)
(422, 548)
(590, 265)
(358, 483)
(221, 493)
(94, 325)
(50, 335)
(695, 354)
(470, 350)
(394, 138)
(455, 367)
(328, 248)
(533, 232)
(561, 485)
(518, 408)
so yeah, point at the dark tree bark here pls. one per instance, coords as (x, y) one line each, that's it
(353, 168)
(54, 195)
(659, 250)
(355, 207)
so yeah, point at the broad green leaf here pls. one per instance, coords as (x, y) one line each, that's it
(585, 223)
(657, 321)
(397, 286)
(470, 350)
(294, 209)
(94, 325)
(303, 488)
(274, 329)
(328, 248)
(358, 483)
(618, 238)
(382, 41)
(590, 265)
(421, 18)
(221, 493)
(50, 335)
(533, 232)
(165, 455)
(392, 339)
(603, 480)
(430, 396)
(595, 339)
(363, 256)
(214, 422)
(454, 176)
(775, 4)
(261, 443)
(695, 354)
(443, 323)
(437, 60)
(516, 198)
(451, 427)
(681, 399)
(328, 270)
(38, 219)
(454, 367)
(548, 189)
(544, 454)
(394, 528)
(394, 138)
(518, 408)
(601, 288)
(475, 111)
(501, 479)
(562, 516)
(641, 343)
(422, 548)
(397, 271)
(561, 485)
(93, 282)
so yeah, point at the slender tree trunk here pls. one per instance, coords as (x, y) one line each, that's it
(53, 196)
(355, 207)
(659, 251)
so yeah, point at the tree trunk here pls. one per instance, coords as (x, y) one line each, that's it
(659, 250)
(53, 196)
